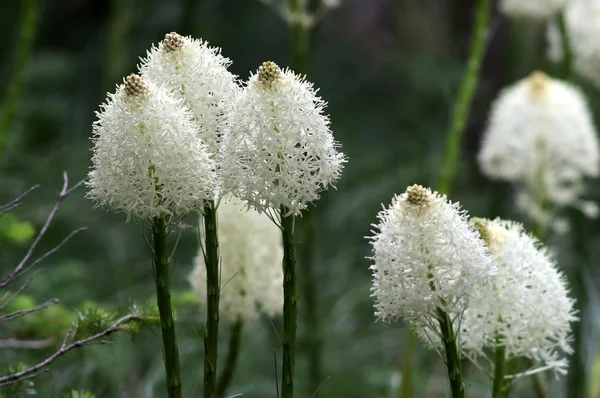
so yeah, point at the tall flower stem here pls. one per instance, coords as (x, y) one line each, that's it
(463, 102)
(300, 37)
(290, 294)
(165, 309)
(501, 386)
(9, 108)
(232, 357)
(567, 61)
(452, 355)
(211, 332)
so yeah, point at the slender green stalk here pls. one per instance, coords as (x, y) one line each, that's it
(567, 61)
(300, 37)
(211, 332)
(23, 49)
(407, 366)
(465, 96)
(232, 357)
(501, 385)
(163, 298)
(290, 294)
(451, 354)
(122, 16)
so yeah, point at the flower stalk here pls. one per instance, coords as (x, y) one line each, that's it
(165, 309)
(211, 333)
(290, 294)
(501, 385)
(452, 355)
(232, 356)
(465, 96)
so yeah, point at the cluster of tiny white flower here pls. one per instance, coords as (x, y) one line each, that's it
(532, 8)
(147, 159)
(251, 275)
(541, 137)
(582, 24)
(426, 256)
(526, 307)
(279, 150)
(198, 74)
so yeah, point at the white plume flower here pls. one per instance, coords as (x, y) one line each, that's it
(582, 21)
(541, 137)
(147, 158)
(251, 275)
(526, 308)
(279, 150)
(426, 256)
(537, 9)
(198, 74)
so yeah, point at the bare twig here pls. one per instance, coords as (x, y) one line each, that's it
(65, 347)
(16, 202)
(8, 297)
(25, 344)
(65, 191)
(18, 314)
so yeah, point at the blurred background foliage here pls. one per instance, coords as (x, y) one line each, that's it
(390, 70)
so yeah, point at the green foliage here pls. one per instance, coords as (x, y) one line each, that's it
(92, 320)
(20, 389)
(79, 394)
(14, 230)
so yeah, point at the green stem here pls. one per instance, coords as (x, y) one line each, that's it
(122, 14)
(211, 333)
(232, 357)
(290, 294)
(300, 40)
(407, 366)
(452, 355)
(465, 96)
(23, 49)
(163, 298)
(501, 385)
(567, 61)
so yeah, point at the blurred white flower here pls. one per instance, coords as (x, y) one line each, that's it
(582, 20)
(147, 158)
(426, 256)
(251, 275)
(532, 8)
(541, 137)
(526, 309)
(331, 3)
(198, 74)
(278, 149)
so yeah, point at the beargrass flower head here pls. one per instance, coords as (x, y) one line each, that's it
(197, 74)
(426, 256)
(582, 22)
(541, 137)
(147, 158)
(278, 149)
(250, 270)
(533, 9)
(526, 308)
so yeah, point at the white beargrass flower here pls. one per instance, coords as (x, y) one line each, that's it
(582, 21)
(426, 256)
(147, 158)
(541, 137)
(251, 276)
(198, 74)
(526, 308)
(279, 150)
(535, 9)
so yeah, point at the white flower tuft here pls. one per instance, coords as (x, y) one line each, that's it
(279, 150)
(426, 256)
(251, 275)
(198, 74)
(538, 9)
(541, 137)
(147, 158)
(526, 308)
(582, 21)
